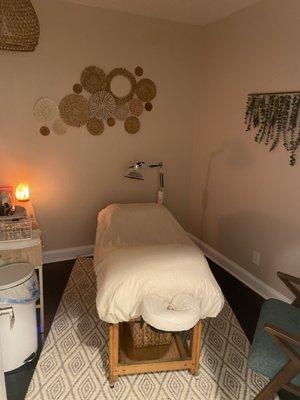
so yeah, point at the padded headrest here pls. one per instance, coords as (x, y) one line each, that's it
(181, 314)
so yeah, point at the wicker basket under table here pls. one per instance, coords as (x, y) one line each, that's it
(143, 335)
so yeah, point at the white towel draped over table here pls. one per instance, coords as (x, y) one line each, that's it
(141, 250)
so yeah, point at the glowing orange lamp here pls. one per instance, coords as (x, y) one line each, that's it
(22, 192)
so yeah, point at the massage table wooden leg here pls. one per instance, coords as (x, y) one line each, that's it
(113, 353)
(196, 347)
(117, 368)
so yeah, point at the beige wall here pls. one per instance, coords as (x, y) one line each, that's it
(253, 196)
(73, 176)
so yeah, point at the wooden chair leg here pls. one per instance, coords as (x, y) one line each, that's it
(285, 375)
(113, 352)
(195, 347)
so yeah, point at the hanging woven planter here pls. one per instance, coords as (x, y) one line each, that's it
(19, 25)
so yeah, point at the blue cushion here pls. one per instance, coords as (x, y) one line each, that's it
(266, 356)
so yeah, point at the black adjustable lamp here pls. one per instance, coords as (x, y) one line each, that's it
(135, 172)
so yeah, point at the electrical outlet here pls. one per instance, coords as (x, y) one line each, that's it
(256, 257)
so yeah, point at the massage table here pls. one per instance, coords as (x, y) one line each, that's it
(147, 267)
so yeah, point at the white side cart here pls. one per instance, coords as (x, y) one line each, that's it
(27, 251)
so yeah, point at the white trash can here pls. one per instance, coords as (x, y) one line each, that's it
(19, 291)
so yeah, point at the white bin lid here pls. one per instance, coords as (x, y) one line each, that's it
(14, 274)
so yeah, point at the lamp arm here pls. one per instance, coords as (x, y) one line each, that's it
(158, 165)
(142, 164)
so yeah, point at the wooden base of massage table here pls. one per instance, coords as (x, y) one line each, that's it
(124, 359)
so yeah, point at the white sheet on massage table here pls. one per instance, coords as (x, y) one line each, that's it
(141, 249)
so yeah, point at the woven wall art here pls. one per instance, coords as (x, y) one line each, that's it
(46, 110)
(125, 73)
(136, 107)
(95, 126)
(102, 105)
(94, 104)
(132, 124)
(59, 127)
(111, 121)
(44, 130)
(122, 112)
(146, 90)
(74, 110)
(93, 79)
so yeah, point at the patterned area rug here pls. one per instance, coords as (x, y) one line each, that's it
(74, 362)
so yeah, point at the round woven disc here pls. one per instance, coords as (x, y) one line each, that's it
(93, 79)
(44, 130)
(123, 72)
(139, 71)
(121, 112)
(148, 106)
(77, 88)
(73, 110)
(146, 89)
(59, 127)
(46, 110)
(132, 124)
(111, 121)
(136, 107)
(102, 105)
(95, 126)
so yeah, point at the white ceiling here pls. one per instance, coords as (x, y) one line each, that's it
(197, 12)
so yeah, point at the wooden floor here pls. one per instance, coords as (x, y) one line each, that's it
(245, 303)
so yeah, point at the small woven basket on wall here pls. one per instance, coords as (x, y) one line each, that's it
(19, 25)
(143, 336)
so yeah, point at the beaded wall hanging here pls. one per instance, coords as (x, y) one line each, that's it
(95, 103)
(275, 117)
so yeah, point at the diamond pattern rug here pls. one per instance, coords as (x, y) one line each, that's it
(74, 361)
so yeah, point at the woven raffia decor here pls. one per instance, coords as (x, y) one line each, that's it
(19, 25)
(121, 111)
(146, 90)
(77, 88)
(111, 121)
(139, 71)
(143, 336)
(93, 79)
(148, 106)
(136, 107)
(122, 72)
(95, 126)
(132, 124)
(74, 110)
(44, 130)
(59, 127)
(102, 105)
(46, 110)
